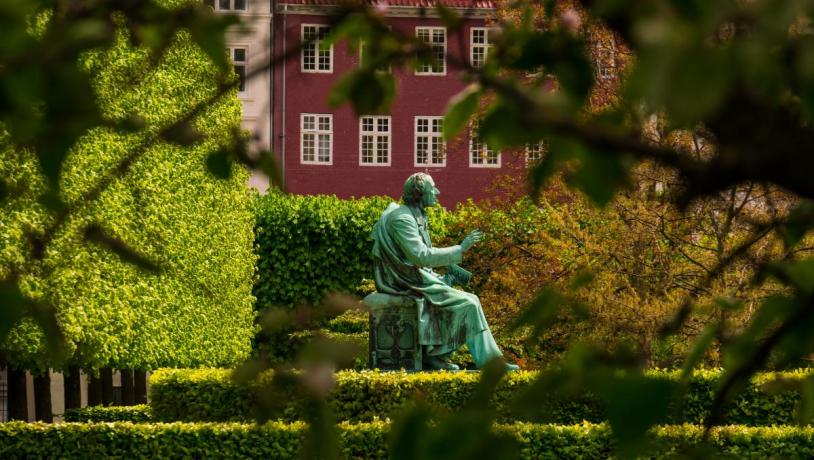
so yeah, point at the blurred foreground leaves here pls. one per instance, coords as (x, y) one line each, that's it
(740, 74)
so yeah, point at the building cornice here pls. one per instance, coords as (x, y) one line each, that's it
(392, 11)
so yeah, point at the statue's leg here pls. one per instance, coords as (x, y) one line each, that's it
(483, 348)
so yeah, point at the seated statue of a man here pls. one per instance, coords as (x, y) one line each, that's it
(403, 259)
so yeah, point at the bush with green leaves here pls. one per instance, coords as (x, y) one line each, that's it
(370, 440)
(167, 210)
(212, 395)
(309, 246)
(135, 414)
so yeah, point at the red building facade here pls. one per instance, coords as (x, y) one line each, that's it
(326, 150)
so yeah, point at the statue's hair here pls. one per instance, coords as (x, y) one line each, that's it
(414, 189)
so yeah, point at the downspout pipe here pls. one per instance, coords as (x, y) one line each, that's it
(272, 51)
(282, 114)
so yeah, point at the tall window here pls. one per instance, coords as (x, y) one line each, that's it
(316, 57)
(480, 155)
(316, 141)
(482, 41)
(374, 141)
(227, 5)
(534, 152)
(436, 38)
(239, 59)
(429, 142)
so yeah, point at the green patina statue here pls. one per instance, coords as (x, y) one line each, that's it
(403, 259)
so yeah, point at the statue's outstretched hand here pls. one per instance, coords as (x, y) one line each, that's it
(471, 239)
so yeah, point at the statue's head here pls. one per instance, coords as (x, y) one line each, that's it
(420, 190)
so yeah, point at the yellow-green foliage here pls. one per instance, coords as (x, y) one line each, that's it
(211, 395)
(135, 414)
(370, 440)
(309, 246)
(198, 310)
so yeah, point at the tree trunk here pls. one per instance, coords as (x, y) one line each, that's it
(128, 388)
(42, 398)
(17, 397)
(73, 388)
(107, 385)
(140, 386)
(94, 391)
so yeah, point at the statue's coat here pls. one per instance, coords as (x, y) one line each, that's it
(403, 258)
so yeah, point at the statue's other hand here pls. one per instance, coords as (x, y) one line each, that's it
(471, 239)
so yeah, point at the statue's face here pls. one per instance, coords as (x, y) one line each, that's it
(431, 193)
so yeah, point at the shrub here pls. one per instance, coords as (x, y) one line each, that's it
(201, 394)
(135, 414)
(369, 440)
(168, 207)
(308, 246)
(210, 395)
(350, 322)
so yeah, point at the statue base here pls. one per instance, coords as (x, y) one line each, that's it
(393, 332)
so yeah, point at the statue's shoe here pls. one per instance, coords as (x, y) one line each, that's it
(438, 364)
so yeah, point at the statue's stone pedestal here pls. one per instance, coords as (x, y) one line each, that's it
(393, 332)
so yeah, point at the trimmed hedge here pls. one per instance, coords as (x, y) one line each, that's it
(198, 395)
(210, 395)
(135, 414)
(369, 440)
(199, 229)
(309, 246)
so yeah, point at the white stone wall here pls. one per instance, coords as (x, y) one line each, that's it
(254, 34)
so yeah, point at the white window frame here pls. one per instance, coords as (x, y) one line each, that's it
(377, 136)
(432, 135)
(482, 149)
(244, 63)
(317, 44)
(530, 148)
(487, 46)
(428, 66)
(215, 5)
(316, 131)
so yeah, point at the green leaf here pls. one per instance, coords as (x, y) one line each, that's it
(408, 433)
(208, 31)
(450, 19)
(804, 411)
(12, 306)
(460, 109)
(702, 343)
(505, 125)
(799, 221)
(219, 164)
(542, 311)
(182, 133)
(599, 175)
(634, 404)
(268, 164)
(367, 90)
(95, 234)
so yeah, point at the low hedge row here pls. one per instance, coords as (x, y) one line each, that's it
(369, 440)
(211, 395)
(137, 413)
